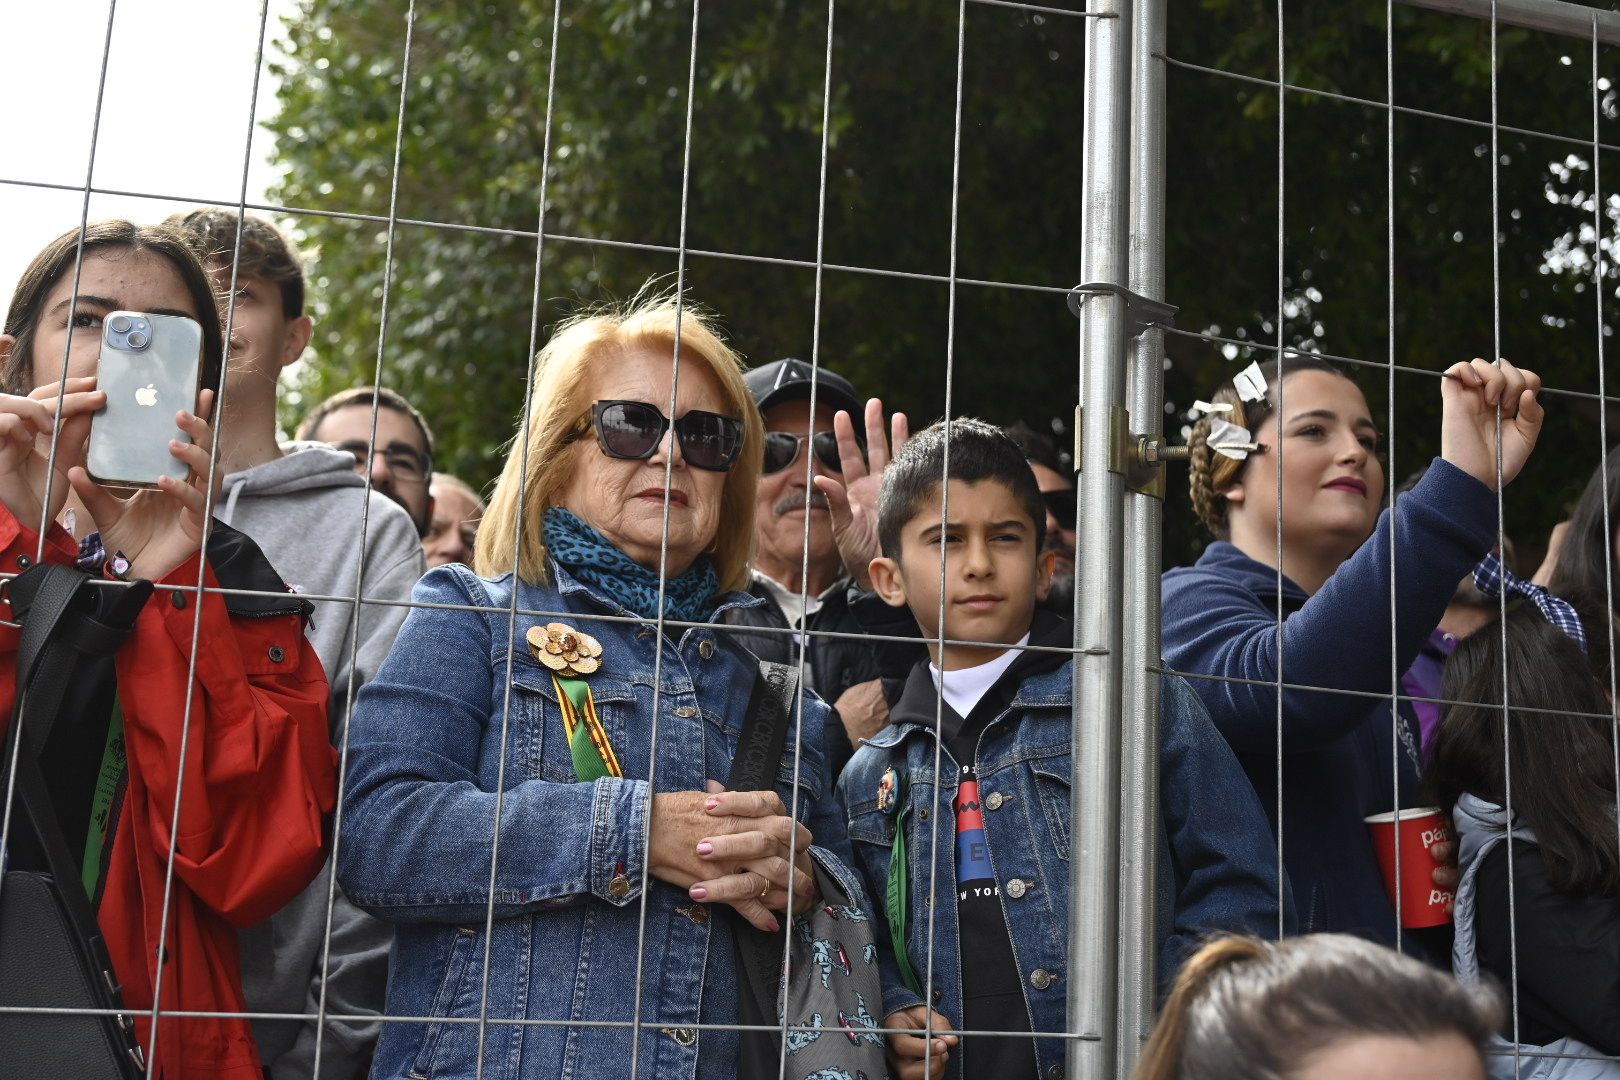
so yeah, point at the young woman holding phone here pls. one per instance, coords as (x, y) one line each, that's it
(236, 734)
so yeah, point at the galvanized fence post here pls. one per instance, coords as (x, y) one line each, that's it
(1094, 797)
(1144, 394)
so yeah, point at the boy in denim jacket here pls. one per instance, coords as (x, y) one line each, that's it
(992, 831)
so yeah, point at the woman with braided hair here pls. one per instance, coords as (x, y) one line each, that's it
(1295, 456)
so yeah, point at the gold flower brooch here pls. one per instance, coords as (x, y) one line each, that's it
(564, 650)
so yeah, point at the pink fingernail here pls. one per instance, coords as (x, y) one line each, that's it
(705, 848)
(698, 892)
(711, 805)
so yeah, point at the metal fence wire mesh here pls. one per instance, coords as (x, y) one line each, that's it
(1084, 216)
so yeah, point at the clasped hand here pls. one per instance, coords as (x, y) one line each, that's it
(733, 847)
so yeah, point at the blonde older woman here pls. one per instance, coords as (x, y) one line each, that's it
(599, 741)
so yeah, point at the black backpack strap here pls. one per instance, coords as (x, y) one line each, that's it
(54, 636)
(41, 599)
(765, 728)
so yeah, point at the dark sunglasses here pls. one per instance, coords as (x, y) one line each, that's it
(782, 450)
(1061, 505)
(632, 430)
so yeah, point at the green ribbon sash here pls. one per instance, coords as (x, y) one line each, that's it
(114, 767)
(897, 897)
(587, 741)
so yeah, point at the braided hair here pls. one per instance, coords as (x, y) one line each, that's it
(1214, 472)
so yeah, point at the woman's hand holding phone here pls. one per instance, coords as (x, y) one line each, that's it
(25, 448)
(159, 528)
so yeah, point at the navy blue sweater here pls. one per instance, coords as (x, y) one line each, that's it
(1341, 752)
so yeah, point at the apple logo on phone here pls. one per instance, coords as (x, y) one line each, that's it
(146, 395)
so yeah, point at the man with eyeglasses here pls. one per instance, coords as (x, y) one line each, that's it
(400, 460)
(1057, 491)
(797, 570)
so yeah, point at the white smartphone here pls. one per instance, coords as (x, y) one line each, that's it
(149, 369)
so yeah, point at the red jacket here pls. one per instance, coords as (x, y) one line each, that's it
(258, 783)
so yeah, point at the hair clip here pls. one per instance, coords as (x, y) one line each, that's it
(1232, 440)
(1204, 408)
(1250, 384)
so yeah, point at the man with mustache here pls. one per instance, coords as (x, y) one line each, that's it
(797, 570)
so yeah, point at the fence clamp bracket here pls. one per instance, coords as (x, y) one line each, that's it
(1141, 314)
(1138, 458)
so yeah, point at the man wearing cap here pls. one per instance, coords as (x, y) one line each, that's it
(806, 591)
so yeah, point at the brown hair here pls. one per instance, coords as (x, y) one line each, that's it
(561, 388)
(1214, 472)
(56, 261)
(262, 253)
(366, 395)
(1261, 1009)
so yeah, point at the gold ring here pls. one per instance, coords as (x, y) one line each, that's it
(769, 885)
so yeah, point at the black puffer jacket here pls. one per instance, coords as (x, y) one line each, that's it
(834, 663)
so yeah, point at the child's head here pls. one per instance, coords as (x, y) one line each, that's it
(995, 569)
(1560, 739)
(1318, 1005)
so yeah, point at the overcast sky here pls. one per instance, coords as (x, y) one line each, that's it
(174, 111)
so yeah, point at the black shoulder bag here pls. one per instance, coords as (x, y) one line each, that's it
(52, 955)
(830, 985)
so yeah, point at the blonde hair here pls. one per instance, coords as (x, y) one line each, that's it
(561, 387)
(1262, 1009)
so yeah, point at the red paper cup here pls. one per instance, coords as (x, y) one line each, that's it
(1417, 899)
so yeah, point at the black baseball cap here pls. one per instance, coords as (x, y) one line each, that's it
(790, 380)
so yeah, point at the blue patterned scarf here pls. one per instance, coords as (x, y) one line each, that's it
(589, 557)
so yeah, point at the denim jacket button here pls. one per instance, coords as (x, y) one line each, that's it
(706, 649)
(994, 800)
(1055, 1073)
(683, 1036)
(619, 887)
(1016, 888)
(938, 995)
(1041, 979)
(684, 711)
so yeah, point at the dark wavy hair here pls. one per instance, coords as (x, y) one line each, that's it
(1562, 752)
(1588, 548)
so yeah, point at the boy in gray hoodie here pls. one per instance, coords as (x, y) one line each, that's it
(333, 541)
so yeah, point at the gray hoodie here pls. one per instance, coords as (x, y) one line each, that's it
(305, 510)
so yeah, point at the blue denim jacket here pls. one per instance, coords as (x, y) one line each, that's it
(427, 754)
(1220, 873)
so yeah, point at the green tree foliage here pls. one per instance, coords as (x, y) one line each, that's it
(461, 291)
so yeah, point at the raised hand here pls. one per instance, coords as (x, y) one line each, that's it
(158, 529)
(1469, 395)
(25, 447)
(854, 501)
